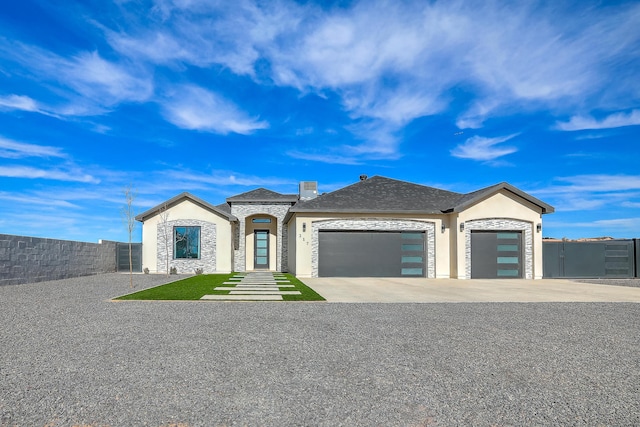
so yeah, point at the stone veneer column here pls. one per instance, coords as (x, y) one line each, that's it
(500, 224)
(277, 210)
(376, 224)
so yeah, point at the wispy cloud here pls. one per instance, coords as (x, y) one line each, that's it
(483, 149)
(615, 120)
(27, 172)
(592, 192)
(18, 102)
(195, 108)
(225, 178)
(34, 200)
(337, 159)
(10, 149)
(88, 83)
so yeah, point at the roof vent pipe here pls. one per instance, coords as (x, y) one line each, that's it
(363, 177)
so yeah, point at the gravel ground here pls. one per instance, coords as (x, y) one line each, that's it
(69, 356)
(634, 283)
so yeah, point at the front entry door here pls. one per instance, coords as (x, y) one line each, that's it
(261, 250)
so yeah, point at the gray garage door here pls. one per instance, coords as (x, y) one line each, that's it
(371, 254)
(496, 254)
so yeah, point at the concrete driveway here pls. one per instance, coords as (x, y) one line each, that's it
(416, 290)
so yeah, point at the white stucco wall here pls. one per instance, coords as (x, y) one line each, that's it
(183, 212)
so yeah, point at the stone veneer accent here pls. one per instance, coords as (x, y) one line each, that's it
(500, 224)
(207, 261)
(35, 259)
(244, 210)
(375, 224)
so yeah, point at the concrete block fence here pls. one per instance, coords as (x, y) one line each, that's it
(34, 259)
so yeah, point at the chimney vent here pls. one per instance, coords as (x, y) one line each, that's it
(308, 190)
(363, 177)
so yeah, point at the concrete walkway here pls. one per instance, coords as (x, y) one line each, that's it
(255, 286)
(403, 290)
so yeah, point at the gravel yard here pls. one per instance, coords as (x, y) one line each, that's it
(69, 356)
(634, 283)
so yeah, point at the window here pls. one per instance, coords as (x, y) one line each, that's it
(261, 220)
(186, 242)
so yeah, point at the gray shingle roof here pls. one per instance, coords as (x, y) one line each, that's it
(380, 194)
(263, 195)
(179, 198)
(224, 207)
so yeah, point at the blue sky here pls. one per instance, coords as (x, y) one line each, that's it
(220, 97)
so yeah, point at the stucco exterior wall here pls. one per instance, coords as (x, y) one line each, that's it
(306, 249)
(501, 211)
(188, 213)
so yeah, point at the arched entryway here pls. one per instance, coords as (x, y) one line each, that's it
(261, 242)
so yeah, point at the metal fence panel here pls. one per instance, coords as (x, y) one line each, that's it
(611, 258)
(637, 263)
(552, 259)
(123, 257)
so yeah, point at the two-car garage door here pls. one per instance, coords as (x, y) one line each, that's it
(371, 253)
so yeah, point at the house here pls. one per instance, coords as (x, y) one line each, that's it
(377, 227)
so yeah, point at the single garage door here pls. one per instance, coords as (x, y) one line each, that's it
(371, 253)
(496, 254)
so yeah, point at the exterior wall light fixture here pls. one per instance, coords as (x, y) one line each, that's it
(462, 226)
(304, 227)
(442, 227)
(539, 227)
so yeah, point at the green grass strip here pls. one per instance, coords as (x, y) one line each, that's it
(195, 287)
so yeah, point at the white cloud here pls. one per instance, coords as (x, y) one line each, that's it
(19, 102)
(31, 200)
(224, 178)
(337, 159)
(601, 183)
(195, 108)
(615, 120)
(15, 150)
(89, 84)
(592, 192)
(109, 83)
(50, 174)
(483, 149)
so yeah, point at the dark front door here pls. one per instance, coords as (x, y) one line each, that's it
(261, 249)
(496, 254)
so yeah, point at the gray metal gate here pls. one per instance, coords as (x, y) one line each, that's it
(610, 258)
(122, 256)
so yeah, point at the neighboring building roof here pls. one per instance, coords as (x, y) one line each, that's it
(263, 195)
(380, 194)
(179, 198)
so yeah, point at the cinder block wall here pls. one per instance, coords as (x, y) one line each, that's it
(33, 259)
